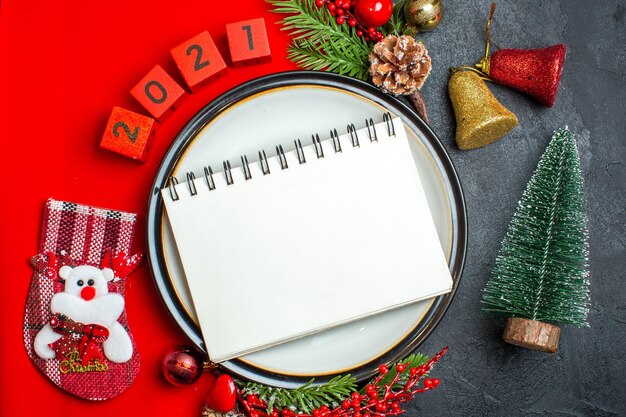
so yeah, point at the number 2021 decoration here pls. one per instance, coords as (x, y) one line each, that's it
(199, 62)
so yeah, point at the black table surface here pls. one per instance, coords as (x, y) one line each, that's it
(482, 375)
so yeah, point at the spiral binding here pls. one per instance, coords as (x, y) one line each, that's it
(281, 157)
(263, 159)
(336, 142)
(354, 137)
(227, 173)
(391, 130)
(280, 153)
(208, 175)
(191, 183)
(319, 151)
(300, 152)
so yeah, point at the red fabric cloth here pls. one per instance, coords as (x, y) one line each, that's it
(65, 66)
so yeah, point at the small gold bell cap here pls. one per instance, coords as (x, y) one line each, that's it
(480, 118)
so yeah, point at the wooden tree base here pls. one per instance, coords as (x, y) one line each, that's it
(532, 334)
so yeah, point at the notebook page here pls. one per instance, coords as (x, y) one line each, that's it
(309, 247)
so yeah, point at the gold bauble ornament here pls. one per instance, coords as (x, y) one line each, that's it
(422, 15)
(480, 118)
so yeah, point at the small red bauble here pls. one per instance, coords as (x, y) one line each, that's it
(182, 366)
(373, 12)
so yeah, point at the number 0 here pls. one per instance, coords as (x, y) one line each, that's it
(151, 96)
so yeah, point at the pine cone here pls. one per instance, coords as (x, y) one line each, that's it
(208, 412)
(399, 65)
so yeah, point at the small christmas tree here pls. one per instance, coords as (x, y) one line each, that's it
(540, 274)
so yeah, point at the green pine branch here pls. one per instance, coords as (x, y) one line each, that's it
(541, 270)
(306, 397)
(319, 42)
(397, 20)
(327, 57)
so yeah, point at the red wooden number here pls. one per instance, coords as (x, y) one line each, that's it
(198, 60)
(158, 93)
(248, 42)
(128, 133)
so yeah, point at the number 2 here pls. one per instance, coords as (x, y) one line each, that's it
(198, 64)
(248, 29)
(131, 135)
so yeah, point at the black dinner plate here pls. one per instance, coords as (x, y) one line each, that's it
(178, 149)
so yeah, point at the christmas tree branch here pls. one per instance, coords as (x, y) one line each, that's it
(306, 397)
(397, 20)
(381, 397)
(328, 57)
(319, 42)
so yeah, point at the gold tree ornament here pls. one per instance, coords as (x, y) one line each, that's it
(399, 65)
(422, 15)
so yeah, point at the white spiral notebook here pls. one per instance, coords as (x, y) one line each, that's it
(287, 245)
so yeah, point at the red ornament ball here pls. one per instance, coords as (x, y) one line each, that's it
(182, 366)
(373, 12)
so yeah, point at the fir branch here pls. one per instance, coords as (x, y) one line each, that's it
(328, 57)
(304, 398)
(397, 20)
(316, 24)
(319, 42)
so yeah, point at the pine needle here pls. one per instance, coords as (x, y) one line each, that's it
(319, 42)
(397, 21)
(306, 397)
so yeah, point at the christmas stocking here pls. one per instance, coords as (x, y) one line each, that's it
(75, 326)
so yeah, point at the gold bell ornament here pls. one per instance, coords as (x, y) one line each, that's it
(480, 118)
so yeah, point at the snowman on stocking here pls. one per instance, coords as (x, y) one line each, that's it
(84, 319)
(84, 344)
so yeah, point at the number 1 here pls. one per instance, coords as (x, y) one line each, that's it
(248, 29)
